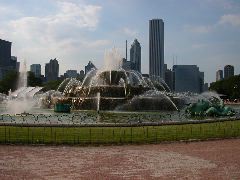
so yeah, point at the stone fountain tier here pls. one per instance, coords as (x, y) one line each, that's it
(151, 104)
(90, 103)
(109, 91)
(115, 89)
(138, 103)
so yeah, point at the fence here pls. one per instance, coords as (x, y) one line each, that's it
(12, 133)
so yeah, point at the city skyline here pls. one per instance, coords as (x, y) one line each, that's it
(76, 32)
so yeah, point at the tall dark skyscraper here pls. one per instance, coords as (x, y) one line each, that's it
(156, 49)
(7, 62)
(5, 52)
(188, 78)
(89, 67)
(135, 56)
(228, 71)
(219, 75)
(36, 69)
(52, 70)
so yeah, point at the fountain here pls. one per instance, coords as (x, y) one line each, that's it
(120, 89)
(21, 100)
(98, 102)
(110, 88)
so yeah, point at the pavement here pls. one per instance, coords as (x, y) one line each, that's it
(216, 159)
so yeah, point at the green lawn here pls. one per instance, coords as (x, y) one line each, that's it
(118, 135)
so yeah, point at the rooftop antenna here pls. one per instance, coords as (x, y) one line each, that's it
(126, 50)
(173, 60)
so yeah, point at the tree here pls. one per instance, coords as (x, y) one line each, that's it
(9, 82)
(33, 81)
(229, 87)
(51, 85)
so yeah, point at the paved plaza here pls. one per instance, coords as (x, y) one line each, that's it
(219, 159)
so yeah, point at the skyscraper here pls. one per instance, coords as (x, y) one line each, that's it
(219, 75)
(135, 56)
(188, 78)
(89, 67)
(169, 78)
(7, 62)
(5, 53)
(81, 75)
(52, 70)
(156, 49)
(71, 74)
(36, 69)
(228, 71)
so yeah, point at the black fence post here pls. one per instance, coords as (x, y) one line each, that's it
(32, 136)
(5, 134)
(90, 134)
(55, 136)
(15, 134)
(44, 135)
(51, 135)
(191, 130)
(155, 135)
(28, 135)
(147, 131)
(131, 134)
(9, 134)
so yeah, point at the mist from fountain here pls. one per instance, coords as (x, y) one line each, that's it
(209, 96)
(20, 103)
(151, 100)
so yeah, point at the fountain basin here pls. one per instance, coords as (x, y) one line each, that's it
(63, 108)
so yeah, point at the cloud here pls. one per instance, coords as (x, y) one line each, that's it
(129, 32)
(96, 44)
(199, 46)
(61, 34)
(79, 15)
(225, 4)
(233, 19)
(198, 29)
(5, 12)
(69, 16)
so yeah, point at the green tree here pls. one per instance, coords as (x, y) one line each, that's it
(51, 85)
(229, 87)
(9, 82)
(33, 81)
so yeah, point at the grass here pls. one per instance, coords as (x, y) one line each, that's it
(118, 135)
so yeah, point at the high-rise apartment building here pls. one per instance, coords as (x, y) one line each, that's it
(219, 75)
(228, 71)
(169, 78)
(36, 69)
(156, 49)
(89, 67)
(7, 62)
(71, 74)
(135, 56)
(81, 75)
(188, 78)
(52, 70)
(5, 53)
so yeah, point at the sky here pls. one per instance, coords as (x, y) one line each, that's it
(201, 32)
